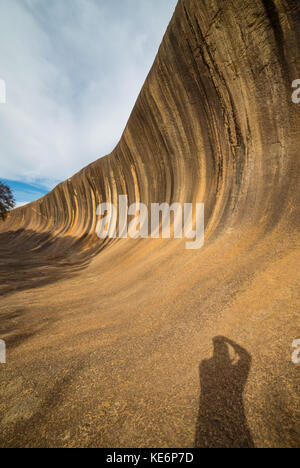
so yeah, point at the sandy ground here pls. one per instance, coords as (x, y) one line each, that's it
(141, 343)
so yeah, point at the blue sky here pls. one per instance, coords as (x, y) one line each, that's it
(24, 192)
(73, 70)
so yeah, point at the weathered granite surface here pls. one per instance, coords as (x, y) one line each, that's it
(105, 339)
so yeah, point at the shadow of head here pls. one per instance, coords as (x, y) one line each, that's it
(221, 420)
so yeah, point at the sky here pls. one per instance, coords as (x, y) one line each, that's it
(72, 70)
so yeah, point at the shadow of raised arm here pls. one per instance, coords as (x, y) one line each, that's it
(221, 420)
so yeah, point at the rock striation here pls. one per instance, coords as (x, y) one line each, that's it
(105, 338)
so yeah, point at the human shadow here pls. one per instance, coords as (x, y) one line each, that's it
(221, 421)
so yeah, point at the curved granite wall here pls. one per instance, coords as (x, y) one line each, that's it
(109, 334)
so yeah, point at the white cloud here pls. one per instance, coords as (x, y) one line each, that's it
(19, 204)
(73, 70)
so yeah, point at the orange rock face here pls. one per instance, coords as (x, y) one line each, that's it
(105, 339)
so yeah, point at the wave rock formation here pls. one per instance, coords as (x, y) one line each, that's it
(105, 338)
